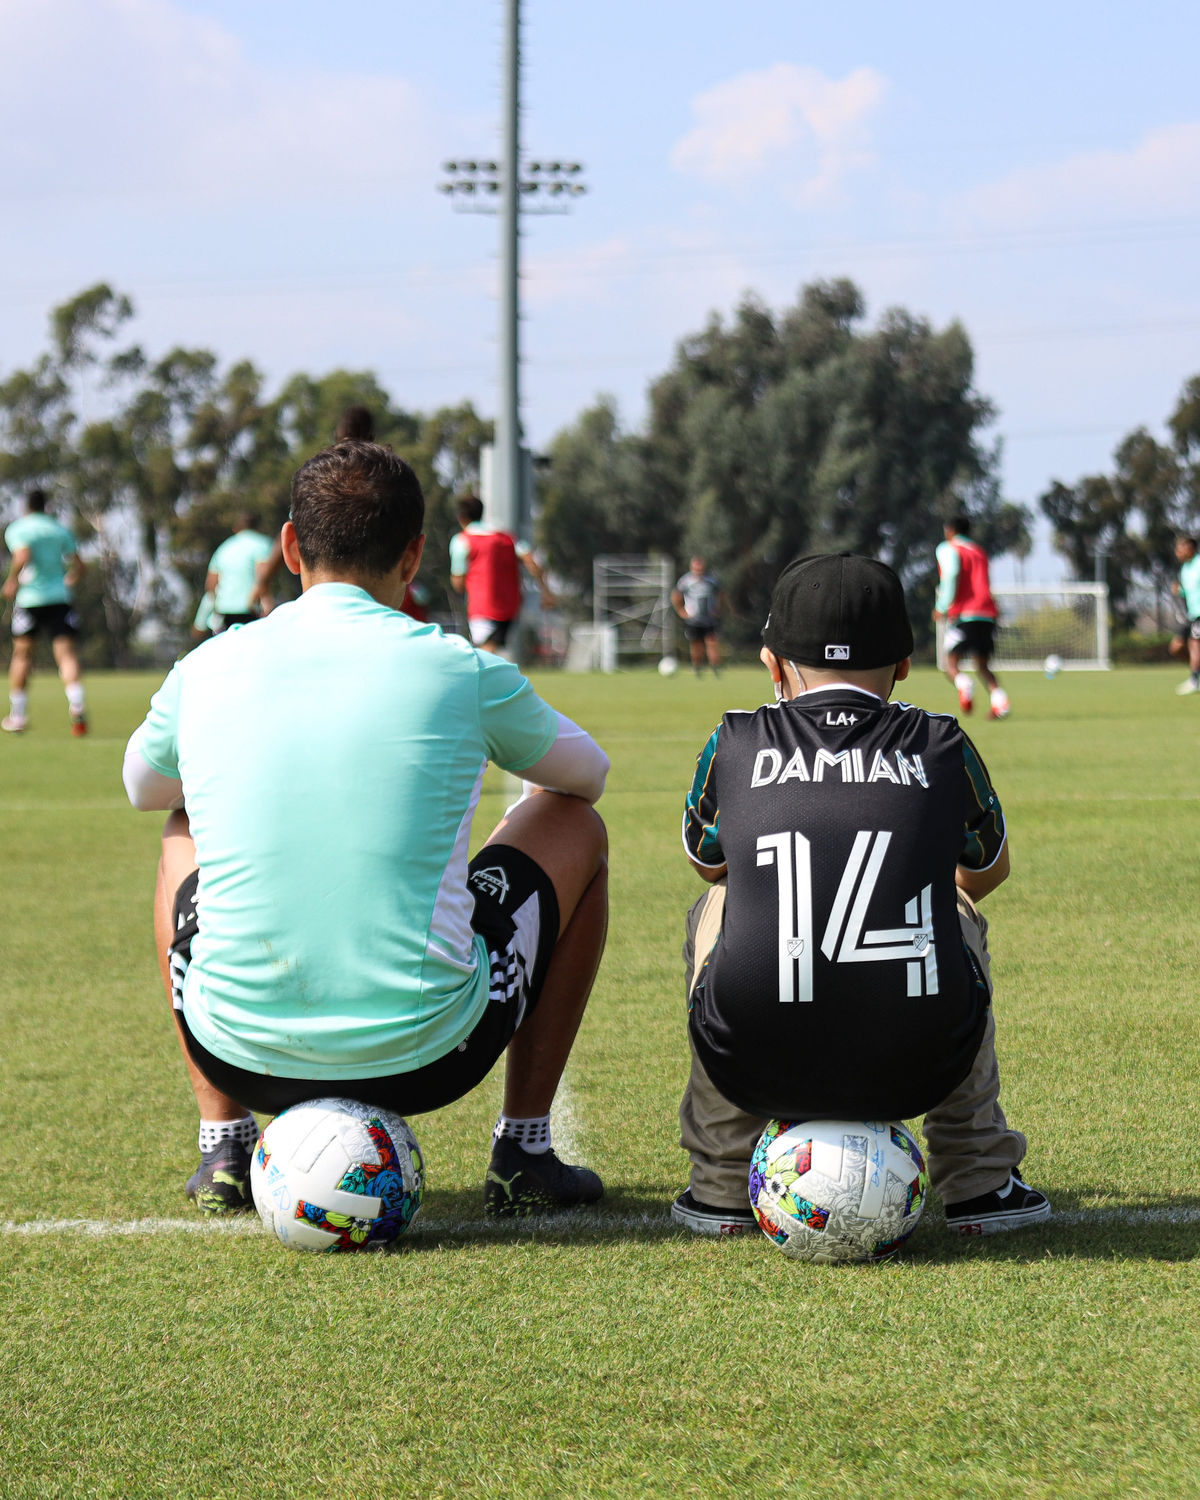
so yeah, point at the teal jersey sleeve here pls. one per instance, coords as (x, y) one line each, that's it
(518, 727)
(460, 554)
(984, 831)
(158, 737)
(701, 814)
(948, 566)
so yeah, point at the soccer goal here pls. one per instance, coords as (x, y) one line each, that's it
(1066, 620)
(632, 604)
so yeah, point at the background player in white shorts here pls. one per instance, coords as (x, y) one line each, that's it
(319, 927)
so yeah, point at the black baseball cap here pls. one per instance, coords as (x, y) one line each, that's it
(838, 610)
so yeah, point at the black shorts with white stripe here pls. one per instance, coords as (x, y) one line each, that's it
(516, 913)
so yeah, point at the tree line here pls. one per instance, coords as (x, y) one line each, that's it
(771, 434)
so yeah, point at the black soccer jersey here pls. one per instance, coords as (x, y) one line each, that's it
(840, 985)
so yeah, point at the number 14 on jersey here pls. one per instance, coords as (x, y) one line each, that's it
(846, 939)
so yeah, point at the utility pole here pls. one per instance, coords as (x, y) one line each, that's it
(508, 190)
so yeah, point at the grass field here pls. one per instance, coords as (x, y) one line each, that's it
(144, 1352)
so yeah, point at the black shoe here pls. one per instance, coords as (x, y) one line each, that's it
(703, 1218)
(221, 1183)
(1011, 1207)
(520, 1182)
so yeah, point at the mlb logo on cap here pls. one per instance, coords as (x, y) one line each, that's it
(837, 653)
(836, 609)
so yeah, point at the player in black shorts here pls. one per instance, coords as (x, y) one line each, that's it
(838, 965)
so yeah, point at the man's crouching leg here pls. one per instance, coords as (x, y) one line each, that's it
(718, 1137)
(221, 1183)
(566, 839)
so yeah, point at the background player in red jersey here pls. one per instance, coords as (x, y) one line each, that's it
(965, 602)
(485, 565)
(838, 966)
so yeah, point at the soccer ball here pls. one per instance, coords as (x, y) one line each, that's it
(838, 1190)
(335, 1174)
(667, 666)
(1052, 665)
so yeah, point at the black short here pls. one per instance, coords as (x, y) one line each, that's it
(516, 913)
(486, 632)
(223, 622)
(699, 630)
(975, 638)
(1189, 630)
(55, 619)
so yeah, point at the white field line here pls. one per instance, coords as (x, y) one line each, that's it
(239, 1225)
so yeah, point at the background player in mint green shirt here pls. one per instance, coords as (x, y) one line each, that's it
(233, 573)
(319, 925)
(44, 569)
(1188, 592)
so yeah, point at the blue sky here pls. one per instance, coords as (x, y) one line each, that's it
(260, 178)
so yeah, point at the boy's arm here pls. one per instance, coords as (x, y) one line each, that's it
(701, 817)
(20, 559)
(984, 862)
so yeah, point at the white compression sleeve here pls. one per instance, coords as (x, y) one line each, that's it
(149, 790)
(574, 764)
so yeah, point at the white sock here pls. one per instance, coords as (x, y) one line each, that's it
(75, 698)
(19, 702)
(999, 698)
(213, 1132)
(532, 1135)
(964, 684)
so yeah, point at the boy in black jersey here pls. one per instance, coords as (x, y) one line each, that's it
(838, 965)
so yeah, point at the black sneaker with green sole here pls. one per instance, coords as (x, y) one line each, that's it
(221, 1183)
(520, 1183)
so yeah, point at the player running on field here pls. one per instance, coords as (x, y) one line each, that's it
(1188, 592)
(320, 929)
(965, 602)
(41, 579)
(233, 575)
(698, 601)
(485, 565)
(838, 967)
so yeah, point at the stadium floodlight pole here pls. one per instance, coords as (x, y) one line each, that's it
(489, 187)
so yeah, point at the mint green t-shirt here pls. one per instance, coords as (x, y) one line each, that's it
(331, 758)
(51, 546)
(236, 563)
(1189, 586)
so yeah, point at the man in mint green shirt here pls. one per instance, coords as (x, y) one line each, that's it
(1187, 590)
(320, 928)
(233, 574)
(44, 569)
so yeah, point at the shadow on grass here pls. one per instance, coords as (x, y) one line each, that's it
(1085, 1225)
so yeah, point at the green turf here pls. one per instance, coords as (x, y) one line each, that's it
(612, 1354)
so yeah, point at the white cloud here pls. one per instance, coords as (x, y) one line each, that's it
(103, 98)
(783, 118)
(1161, 175)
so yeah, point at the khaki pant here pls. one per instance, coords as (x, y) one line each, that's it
(970, 1148)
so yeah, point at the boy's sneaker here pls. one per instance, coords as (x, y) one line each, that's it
(1011, 1207)
(1184, 688)
(221, 1183)
(703, 1218)
(520, 1183)
(79, 725)
(11, 724)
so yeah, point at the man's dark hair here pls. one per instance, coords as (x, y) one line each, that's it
(960, 523)
(247, 520)
(357, 425)
(356, 506)
(1187, 539)
(470, 510)
(35, 500)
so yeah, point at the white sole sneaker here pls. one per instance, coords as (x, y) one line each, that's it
(702, 1218)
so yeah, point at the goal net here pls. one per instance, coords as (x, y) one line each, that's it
(1067, 620)
(632, 606)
